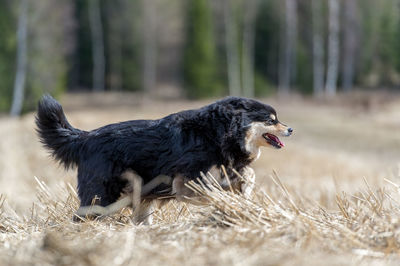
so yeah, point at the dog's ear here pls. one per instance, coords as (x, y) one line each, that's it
(238, 104)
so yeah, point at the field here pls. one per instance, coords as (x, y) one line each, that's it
(331, 196)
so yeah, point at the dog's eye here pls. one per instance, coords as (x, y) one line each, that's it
(270, 122)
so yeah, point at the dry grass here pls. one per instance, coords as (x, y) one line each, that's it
(324, 204)
(274, 227)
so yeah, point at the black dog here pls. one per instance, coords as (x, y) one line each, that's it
(228, 132)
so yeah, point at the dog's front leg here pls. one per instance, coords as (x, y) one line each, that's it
(145, 212)
(183, 193)
(248, 183)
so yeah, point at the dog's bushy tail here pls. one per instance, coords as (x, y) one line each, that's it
(56, 133)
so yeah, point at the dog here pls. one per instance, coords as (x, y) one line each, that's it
(228, 132)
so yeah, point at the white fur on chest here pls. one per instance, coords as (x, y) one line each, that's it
(252, 140)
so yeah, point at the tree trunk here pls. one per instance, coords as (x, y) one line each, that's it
(288, 70)
(150, 46)
(96, 29)
(350, 43)
(318, 48)
(333, 48)
(232, 51)
(250, 13)
(115, 40)
(20, 76)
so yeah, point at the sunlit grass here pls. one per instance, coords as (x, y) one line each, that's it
(227, 229)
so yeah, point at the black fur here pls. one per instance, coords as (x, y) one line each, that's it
(183, 143)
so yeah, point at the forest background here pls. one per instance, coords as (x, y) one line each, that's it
(196, 48)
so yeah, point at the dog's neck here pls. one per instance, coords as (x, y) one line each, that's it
(254, 151)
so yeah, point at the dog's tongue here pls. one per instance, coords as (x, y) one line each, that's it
(276, 139)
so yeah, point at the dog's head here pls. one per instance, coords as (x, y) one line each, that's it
(261, 124)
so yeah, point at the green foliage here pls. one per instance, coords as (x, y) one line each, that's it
(388, 37)
(267, 41)
(131, 78)
(368, 31)
(81, 70)
(262, 86)
(304, 77)
(48, 48)
(397, 45)
(199, 56)
(122, 22)
(304, 52)
(132, 47)
(381, 42)
(7, 53)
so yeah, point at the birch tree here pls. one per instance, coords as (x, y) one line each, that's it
(232, 51)
(333, 48)
(250, 12)
(287, 71)
(96, 30)
(19, 84)
(318, 47)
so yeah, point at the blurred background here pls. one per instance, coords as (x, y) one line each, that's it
(196, 48)
(331, 69)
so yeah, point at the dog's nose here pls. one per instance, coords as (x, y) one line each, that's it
(290, 130)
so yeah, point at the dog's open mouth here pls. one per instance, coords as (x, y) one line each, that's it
(273, 140)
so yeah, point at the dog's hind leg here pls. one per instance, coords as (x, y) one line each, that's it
(142, 211)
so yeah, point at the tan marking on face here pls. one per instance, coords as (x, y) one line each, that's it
(281, 129)
(272, 116)
(254, 137)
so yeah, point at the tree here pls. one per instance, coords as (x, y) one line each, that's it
(50, 45)
(287, 69)
(149, 45)
(249, 17)
(96, 30)
(351, 29)
(333, 48)
(231, 48)
(318, 47)
(20, 76)
(199, 52)
(267, 46)
(388, 42)
(7, 53)
(114, 36)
